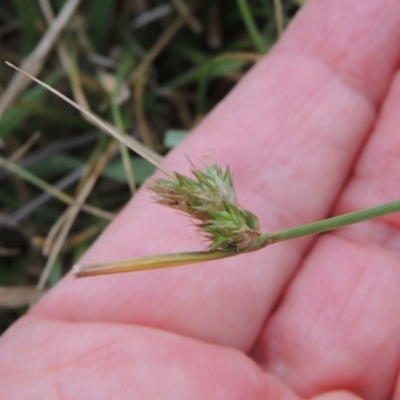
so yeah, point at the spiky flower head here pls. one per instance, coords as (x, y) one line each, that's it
(209, 197)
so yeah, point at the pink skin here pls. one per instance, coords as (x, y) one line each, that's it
(311, 131)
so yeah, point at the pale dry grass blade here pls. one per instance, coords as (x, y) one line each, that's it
(34, 62)
(53, 232)
(214, 29)
(279, 19)
(17, 155)
(19, 296)
(103, 125)
(149, 16)
(191, 20)
(149, 262)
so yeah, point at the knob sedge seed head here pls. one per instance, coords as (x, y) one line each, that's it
(211, 198)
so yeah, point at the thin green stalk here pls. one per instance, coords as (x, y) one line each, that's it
(248, 20)
(124, 67)
(330, 223)
(117, 119)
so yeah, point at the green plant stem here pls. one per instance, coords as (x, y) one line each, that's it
(119, 123)
(255, 35)
(176, 259)
(328, 224)
(117, 119)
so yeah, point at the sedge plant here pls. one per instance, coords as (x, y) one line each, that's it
(209, 198)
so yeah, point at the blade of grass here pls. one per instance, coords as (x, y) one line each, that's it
(100, 123)
(34, 180)
(53, 232)
(248, 20)
(34, 62)
(15, 116)
(279, 18)
(173, 137)
(123, 149)
(191, 20)
(24, 148)
(151, 15)
(144, 129)
(215, 69)
(100, 17)
(80, 237)
(18, 296)
(47, 154)
(216, 62)
(28, 16)
(37, 109)
(37, 202)
(142, 168)
(118, 121)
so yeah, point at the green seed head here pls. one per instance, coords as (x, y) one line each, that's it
(210, 197)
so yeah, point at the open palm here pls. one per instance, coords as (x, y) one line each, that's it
(311, 131)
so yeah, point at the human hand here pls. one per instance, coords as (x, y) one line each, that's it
(311, 131)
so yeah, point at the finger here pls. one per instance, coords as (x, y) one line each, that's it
(375, 179)
(290, 131)
(349, 317)
(46, 359)
(340, 318)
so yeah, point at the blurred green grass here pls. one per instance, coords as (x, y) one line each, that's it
(106, 41)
